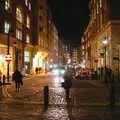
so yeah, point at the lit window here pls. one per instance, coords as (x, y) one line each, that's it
(27, 56)
(6, 27)
(7, 4)
(100, 3)
(18, 34)
(19, 15)
(26, 2)
(83, 47)
(83, 53)
(29, 6)
(27, 39)
(28, 22)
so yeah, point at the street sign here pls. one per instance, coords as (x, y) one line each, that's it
(96, 59)
(8, 58)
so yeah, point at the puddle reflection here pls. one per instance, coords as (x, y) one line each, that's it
(56, 113)
(57, 80)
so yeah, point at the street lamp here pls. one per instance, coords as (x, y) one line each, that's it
(112, 82)
(105, 42)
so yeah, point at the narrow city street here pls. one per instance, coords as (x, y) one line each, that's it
(89, 101)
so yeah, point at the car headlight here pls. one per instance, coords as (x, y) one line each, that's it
(55, 72)
(62, 72)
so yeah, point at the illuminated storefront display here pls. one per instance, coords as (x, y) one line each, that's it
(39, 60)
(27, 62)
(3, 62)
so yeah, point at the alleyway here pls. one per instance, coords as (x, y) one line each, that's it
(89, 101)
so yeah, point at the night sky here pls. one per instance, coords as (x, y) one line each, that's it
(70, 17)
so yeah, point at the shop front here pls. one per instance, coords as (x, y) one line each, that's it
(3, 62)
(27, 62)
(39, 62)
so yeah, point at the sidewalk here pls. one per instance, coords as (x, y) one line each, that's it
(9, 94)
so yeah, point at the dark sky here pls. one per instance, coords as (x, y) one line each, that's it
(70, 17)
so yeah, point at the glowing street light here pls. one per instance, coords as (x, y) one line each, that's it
(105, 42)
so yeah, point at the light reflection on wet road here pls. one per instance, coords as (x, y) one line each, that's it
(56, 113)
(58, 108)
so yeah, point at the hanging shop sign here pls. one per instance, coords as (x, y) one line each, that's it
(96, 59)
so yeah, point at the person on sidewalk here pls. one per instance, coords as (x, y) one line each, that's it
(17, 77)
(67, 84)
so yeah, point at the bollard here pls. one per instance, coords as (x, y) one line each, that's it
(4, 78)
(112, 93)
(46, 95)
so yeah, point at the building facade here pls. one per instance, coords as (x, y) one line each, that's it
(101, 37)
(45, 36)
(26, 34)
(15, 33)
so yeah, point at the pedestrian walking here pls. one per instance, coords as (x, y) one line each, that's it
(67, 84)
(17, 77)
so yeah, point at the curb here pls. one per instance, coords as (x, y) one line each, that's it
(4, 92)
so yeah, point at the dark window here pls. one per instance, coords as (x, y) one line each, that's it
(40, 29)
(41, 17)
(41, 7)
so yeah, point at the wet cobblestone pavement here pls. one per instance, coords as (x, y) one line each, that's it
(88, 102)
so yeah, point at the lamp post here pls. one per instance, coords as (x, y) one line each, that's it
(105, 42)
(8, 52)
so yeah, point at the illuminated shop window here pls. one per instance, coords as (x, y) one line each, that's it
(1, 59)
(19, 16)
(27, 56)
(6, 27)
(27, 39)
(7, 4)
(28, 22)
(18, 34)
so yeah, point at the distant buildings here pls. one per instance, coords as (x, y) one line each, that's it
(100, 43)
(71, 56)
(28, 32)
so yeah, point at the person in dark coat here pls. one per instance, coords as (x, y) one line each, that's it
(67, 84)
(17, 77)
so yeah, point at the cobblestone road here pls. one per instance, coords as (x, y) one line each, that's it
(88, 101)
